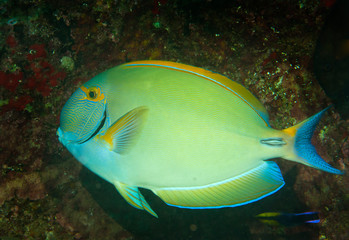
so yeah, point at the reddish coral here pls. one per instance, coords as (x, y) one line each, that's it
(11, 41)
(45, 90)
(10, 80)
(36, 51)
(54, 78)
(44, 78)
(18, 104)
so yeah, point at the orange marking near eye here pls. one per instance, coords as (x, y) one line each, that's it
(100, 96)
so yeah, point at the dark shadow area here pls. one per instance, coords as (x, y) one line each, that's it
(178, 223)
(331, 57)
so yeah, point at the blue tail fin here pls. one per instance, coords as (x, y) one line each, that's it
(305, 152)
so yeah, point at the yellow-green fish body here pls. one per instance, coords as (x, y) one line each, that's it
(193, 137)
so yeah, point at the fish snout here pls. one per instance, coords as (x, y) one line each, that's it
(61, 138)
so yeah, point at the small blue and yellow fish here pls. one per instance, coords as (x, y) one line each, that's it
(193, 137)
(288, 219)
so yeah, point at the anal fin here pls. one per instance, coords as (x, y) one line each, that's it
(134, 197)
(248, 187)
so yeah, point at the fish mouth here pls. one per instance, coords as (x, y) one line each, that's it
(98, 128)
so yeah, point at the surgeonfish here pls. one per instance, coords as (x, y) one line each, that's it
(193, 137)
(288, 219)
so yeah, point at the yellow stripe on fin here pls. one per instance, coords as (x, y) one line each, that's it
(134, 197)
(122, 134)
(232, 86)
(251, 186)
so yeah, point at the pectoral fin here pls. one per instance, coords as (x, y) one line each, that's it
(121, 136)
(243, 189)
(134, 197)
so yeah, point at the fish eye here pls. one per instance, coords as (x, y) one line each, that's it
(92, 94)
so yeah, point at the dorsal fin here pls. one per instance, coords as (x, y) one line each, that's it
(226, 83)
